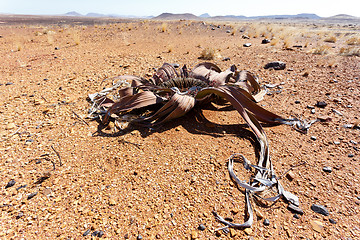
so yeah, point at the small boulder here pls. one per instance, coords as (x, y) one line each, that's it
(277, 65)
(265, 41)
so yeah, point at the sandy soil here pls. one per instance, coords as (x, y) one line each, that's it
(163, 183)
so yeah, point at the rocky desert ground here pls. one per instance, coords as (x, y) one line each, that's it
(65, 177)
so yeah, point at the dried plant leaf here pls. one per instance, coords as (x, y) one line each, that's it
(142, 99)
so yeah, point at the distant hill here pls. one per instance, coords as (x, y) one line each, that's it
(297, 16)
(172, 16)
(205, 15)
(189, 16)
(343, 17)
(73, 14)
(96, 15)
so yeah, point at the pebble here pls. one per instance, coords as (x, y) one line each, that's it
(100, 234)
(327, 169)
(10, 126)
(9, 83)
(265, 41)
(290, 175)
(31, 195)
(21, 214)
(233, 232)
(248, 231)
(350, 155)
(86, 232)
(320, 209)
(296, 216)
(312, 111)
(10, 183)
(313, 138)
(295, 209)
(332, 221)
(139, 237)
(321, 104)
(348, 126)
(266, 222)
(194, 234)
(336, 142)
(353, 142)
(226, 59)
(201, 227)
(317, 226)
(297, 102)
(247, 44)
(22, 186)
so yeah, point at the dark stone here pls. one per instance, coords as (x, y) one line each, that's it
(21, 214)
(201, 227)
(266, 222)
(9, 83)
(265, 41)
(350, 155)
(332, 221)
(321, 104)
(310, 107)
(295, 209)
(313, 138)
(86, 232)
(245, 37)
(139, 237)
(226, 59)
(296, 216)
(277, 65)
(228, 31)
(297, 102)
(22, 186)
(212, 28)
(327, 169)
(10, 183)
(297, 46)
(100, 234)
(175, 65)
(320, 209)
(57, 48)
(247, 44)
(31, 195)
(95, 233)
(348, 126)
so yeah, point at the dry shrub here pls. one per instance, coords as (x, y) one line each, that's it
(353, 41)
(321, 50)
(274, 41)
(288, 42)
(164, 27)
(350, 51)
(330, 39)
(207, 54)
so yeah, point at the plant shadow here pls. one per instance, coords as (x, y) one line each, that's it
(195, 123)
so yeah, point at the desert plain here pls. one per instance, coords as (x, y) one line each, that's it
(66, 177)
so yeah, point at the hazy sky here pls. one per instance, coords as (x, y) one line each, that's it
(323, 8)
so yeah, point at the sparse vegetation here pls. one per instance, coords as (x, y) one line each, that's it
(350, 51)
(330, 39)
(164, 27)
(321, 50)
(207, 54)
(353, 41)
